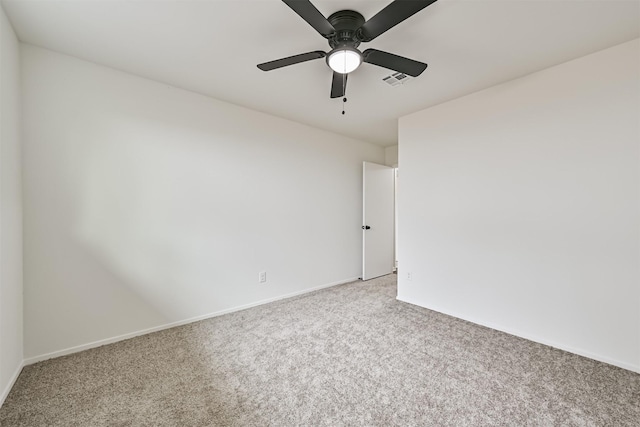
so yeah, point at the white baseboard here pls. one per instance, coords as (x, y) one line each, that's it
(12, 381)
(99, 343)
(530, 337)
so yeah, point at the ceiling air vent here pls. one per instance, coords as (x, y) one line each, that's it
(396, 79)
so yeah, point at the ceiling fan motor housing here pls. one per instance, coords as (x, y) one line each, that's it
(346, 23)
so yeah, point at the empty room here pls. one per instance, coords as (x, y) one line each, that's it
(319, 213)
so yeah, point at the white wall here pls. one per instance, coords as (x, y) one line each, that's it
(391, 156)
(391, 159)
(147, 205)
(519, 206)
(10, 210)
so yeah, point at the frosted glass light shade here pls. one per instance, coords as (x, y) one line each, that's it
(344, 60)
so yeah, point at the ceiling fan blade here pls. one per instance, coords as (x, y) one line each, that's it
(394, 62)
(338, 85)
(390, 16)
(291, 60)
(309, 13)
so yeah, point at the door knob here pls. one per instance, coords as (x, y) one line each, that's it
(365, 227)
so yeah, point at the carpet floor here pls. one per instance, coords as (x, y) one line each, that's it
(351, 355)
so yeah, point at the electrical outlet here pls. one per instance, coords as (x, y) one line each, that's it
(262, 277)
(409, 275)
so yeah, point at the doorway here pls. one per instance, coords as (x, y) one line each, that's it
(378, 220)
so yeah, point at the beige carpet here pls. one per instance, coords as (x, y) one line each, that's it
(347, 356)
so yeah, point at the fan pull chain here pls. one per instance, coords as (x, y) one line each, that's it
(344, 91)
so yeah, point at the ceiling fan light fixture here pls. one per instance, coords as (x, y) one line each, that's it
(344, 59)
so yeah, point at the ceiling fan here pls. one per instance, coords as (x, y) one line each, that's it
(345, 30)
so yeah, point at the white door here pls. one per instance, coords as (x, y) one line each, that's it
(377, 220)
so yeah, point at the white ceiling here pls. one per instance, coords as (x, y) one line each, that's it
(212, 47)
